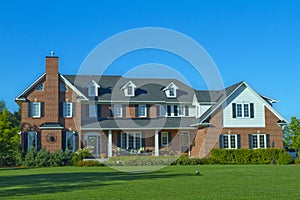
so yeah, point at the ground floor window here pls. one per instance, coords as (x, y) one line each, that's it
(70, 141)
(164, 138)
(229, 141)
(32, 140)
(257, 141)
(131, 141)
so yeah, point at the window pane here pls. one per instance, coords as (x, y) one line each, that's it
(225, 141)
(164, 138)
(255, 141)
(123, 141)
(70, 141)
(32, 137)
(232, 141)
(142, 110)
(129, 90)
(163, 111)
(118, 110)
(68, 109)
(92, 110)
(35, 109)
(246, 110)
(181, 110)
(239, 112)
(262, 141)
(171, 92)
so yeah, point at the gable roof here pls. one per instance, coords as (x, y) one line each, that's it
(147, 90)
(226, 94)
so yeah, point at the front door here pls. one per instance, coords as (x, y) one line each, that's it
(185, 142)
(92, 142)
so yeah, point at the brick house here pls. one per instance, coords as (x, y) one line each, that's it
(114, 115)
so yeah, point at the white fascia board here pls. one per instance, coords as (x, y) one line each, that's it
(19, 98)
(115, 129)
(125, 102)
(73, 87)
(269, 99)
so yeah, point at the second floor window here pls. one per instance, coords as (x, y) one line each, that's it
(117, 110)
(68, 107)
(243, 110)
(36, 109)
(129, 90)
(142, 110)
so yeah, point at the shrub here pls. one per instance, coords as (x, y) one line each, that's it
(284, 158)
(29, 160)
(79, 155)
(42, 158)
(297, 160)
(140, 160)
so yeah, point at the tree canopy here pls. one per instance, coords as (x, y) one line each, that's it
(292, 134)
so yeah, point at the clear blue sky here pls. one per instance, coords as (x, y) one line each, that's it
(254, 41)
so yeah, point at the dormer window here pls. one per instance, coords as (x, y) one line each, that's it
(129, 89)
(171, 90)
(93, 89)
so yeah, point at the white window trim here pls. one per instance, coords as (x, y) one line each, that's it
(71, 109)
(93, 89)
(135, 134)
(229, 141)
(161, 138)
(118, 106)
(92, 110)
(243, 110)
(163, 111)
(29, 145)
(258, 141)
(167, 90)
(39, 109)
(145, 110)
(73, 138)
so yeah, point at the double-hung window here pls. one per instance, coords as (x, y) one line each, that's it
(259, 141)
(243, 110)
(117, 110)
(92, 110)
(229, 141)
(164, 138)
(142, 110)
(32, 140)
(131, 141)
(36, 109)
(68, 108)
(181, 110)
(70, 141)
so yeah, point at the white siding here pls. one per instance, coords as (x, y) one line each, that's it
(244, 95)
(192, 111)
(204, 108)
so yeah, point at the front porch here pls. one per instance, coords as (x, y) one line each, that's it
(106, 144)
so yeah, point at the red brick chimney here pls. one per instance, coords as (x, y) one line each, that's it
(52, 89)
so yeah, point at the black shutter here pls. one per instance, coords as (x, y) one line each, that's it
(175, 110)
(42, 109)
(169, 110)
(111, 113)
(159, 139)
(136, 110)
(143, 140)
(250, 141)
(221, 144)
(38, 140)
(98, 110)
(157, 110)
(74, 109)
(25, 141)
(61, 109)
(238, 141)
(148, 110)
(119, 140)
(63, 140)
(123, 110)
(234, 110)
(76, 139)
(268, 140)
(186, 110)
(29, 109)
(169, 138)
(251, 110)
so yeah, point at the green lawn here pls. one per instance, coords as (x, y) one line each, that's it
(174, 182)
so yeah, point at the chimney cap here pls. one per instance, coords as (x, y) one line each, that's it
(51, 55)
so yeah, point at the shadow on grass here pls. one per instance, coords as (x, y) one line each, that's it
(34, 184)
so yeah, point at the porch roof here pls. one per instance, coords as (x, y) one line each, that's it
(140, 124)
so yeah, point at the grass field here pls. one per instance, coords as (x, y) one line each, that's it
(174, 182)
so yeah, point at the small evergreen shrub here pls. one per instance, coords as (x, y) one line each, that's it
(89, 163)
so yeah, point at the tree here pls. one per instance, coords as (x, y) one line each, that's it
(9, 139)
(291, 134)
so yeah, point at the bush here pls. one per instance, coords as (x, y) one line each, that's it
(29, 160)
(251, 156)
(140, 160)
(297, 160)
(79, 155)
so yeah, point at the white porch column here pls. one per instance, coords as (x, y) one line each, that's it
(109, 145)
(156, 143)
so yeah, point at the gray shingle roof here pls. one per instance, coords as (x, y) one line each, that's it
(157, 123)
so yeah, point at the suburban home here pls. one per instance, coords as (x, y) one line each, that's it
(114, 115)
